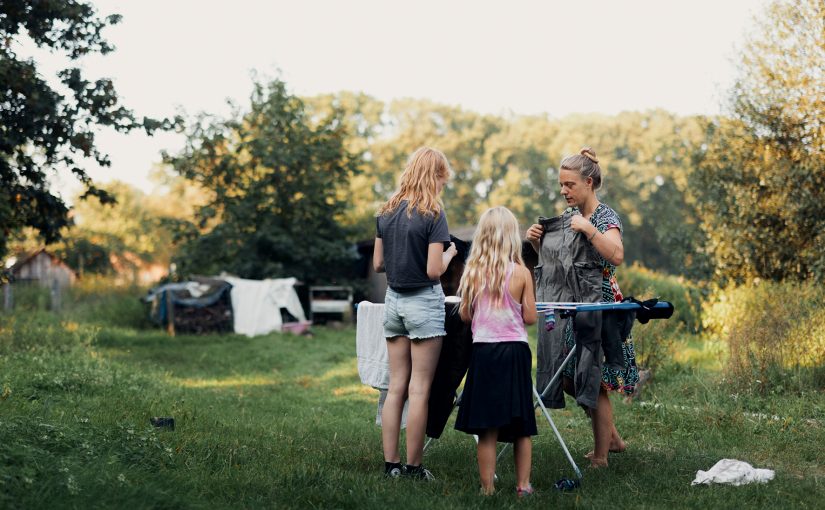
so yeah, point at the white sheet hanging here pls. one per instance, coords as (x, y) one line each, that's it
(256, 304)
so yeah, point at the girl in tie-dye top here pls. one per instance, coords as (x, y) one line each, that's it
(497, 297)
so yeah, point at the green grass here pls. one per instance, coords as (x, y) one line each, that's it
(282, 421)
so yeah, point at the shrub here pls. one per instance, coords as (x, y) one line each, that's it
(775, 334)
(99, 300)
(30, 296)
(642, 283)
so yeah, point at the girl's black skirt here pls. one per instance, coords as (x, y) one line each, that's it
(498, 392)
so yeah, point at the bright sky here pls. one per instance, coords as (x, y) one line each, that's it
(525, 57)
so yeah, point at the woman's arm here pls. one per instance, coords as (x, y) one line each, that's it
(608, 244)
(378, 256)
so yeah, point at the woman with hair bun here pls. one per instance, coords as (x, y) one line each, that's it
(579, 177)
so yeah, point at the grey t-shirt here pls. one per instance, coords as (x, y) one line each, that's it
(406, 241)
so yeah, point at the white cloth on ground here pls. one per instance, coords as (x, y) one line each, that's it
(734, 472)
(256, 304)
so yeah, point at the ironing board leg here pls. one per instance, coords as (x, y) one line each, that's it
(540, 403)
(556, 431)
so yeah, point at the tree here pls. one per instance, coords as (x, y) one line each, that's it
(277, 174)
(45, 127)
(760, 182)
(133, 231)
(512, 161)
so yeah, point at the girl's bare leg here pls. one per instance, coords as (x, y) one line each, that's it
(398, 349)
(487, 460)
(424, 354)
(523, 452)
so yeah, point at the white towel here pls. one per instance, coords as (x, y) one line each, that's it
(371, 346)
(734, 472)
(371, 351)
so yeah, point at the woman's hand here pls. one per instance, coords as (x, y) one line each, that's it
(579, 224)
(534, 234)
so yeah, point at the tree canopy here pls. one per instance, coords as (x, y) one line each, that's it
(278, 175)
(46, 126)
(512, 161)
(760, 183)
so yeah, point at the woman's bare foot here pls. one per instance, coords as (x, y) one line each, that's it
(615, 447)
(597, 463)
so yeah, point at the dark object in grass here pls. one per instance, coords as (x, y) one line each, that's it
(168, 423)
(567, 484)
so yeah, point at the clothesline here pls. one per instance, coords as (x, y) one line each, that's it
(545, 306)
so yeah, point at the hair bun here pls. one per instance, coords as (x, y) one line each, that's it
(589, 154)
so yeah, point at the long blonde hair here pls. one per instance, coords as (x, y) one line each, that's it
(496, 243)
(419, 183)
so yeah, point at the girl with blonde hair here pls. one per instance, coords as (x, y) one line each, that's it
(411, 236)
(497, 297)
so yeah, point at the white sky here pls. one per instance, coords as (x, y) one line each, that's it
(524, 57)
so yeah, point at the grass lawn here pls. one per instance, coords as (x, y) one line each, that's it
(282, 421)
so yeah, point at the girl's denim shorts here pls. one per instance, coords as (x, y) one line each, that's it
(417, 314)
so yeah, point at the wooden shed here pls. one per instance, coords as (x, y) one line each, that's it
(44, 268)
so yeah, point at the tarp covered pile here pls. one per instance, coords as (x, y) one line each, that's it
(226, 303)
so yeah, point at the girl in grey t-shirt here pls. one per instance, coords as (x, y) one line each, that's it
(411, 233)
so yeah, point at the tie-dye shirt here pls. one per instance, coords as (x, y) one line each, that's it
(502, 323)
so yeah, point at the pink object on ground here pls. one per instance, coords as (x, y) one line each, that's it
(296, 328)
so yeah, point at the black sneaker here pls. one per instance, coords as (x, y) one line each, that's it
(392, 469)
(418, 473)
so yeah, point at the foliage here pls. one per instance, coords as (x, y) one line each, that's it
(775, 334)
(45, 127)
(101, 300)
(656, 341)
(686, 296)
(131, 232)
(761, 180)
(277, 174)
(511, 161)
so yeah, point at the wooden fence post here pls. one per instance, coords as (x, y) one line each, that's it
(170, 313)
(55, 295)
(8, 297)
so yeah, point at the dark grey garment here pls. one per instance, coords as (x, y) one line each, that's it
(616, 326)
(569, 270)
(406, 240)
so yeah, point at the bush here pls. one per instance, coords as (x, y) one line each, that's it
(99, 300)
(775, 334)
(642, 283)
(30, 296)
